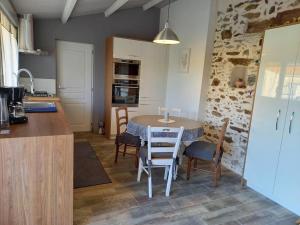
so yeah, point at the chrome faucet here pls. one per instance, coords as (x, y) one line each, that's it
(30, 76)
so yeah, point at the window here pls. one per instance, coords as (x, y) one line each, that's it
(9, 53)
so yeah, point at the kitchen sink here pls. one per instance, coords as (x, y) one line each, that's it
(36, 107)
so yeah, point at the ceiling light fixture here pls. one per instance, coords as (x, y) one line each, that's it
(167, 36)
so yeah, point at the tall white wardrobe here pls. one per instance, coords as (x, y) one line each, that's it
(273, 158)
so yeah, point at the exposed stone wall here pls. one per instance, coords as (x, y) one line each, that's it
(238, 42)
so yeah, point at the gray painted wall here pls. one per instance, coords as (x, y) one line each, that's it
(93, 29)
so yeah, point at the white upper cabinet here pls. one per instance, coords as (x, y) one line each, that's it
(153, 72)
(127, 49)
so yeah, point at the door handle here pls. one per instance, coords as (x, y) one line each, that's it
(277, 119)
(135, 56)
(127, 87)
(291, 122)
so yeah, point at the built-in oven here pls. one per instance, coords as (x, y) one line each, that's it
(127, 69)
(125, 93)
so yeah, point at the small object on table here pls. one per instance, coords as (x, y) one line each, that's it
(166, 121)
(167, 116)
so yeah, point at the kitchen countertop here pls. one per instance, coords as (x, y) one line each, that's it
(42, 99)
(41, 124)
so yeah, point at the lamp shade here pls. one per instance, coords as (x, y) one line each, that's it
(167, 36)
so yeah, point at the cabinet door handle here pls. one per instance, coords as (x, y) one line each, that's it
(291, 122)
(135, 56)
(126, 87)
(277, 119)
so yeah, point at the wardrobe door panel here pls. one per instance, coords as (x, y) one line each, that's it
(287, 185)
(270, 108)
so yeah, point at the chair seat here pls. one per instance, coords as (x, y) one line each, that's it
(201, 150)
(128, 139)
(144, 155)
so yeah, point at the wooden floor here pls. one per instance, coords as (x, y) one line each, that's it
(125, 201)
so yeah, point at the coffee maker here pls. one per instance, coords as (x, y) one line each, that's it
(15, 97)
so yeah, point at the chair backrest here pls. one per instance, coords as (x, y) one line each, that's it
(164, 140)
(121, 119)
(220, 150)
(176, 112)
(173, 112)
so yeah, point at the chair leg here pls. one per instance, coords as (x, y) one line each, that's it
(219, 171)
(140, 170)
(188, 172)
(175, 173)
(215, 175)
(169, 181)
(117, 153)
(125, 150)
(137, 157)
(150, 185)
(195, 163)
(166, 173)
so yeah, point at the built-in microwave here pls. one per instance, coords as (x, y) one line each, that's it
(127, 69)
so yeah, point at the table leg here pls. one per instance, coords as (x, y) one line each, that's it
(142, 142)
(180, 153)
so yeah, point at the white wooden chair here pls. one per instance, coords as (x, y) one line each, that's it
(162, 150)
(176, 112)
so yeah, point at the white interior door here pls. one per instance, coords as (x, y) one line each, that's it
(287, 185)
(270, 108)
(75, 72)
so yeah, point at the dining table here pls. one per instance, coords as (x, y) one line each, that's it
(138, 125)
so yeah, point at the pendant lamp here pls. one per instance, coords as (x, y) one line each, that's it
(167, 36)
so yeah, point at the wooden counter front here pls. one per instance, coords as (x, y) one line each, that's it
(36, 172)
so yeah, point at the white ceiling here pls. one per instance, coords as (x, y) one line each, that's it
(54, 8)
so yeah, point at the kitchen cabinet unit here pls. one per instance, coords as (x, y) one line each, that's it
(153, 78)
(151, 82)
(272, 164)
(127, 49)
(36, 178)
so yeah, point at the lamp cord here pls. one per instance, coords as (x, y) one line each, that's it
(169, 11)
